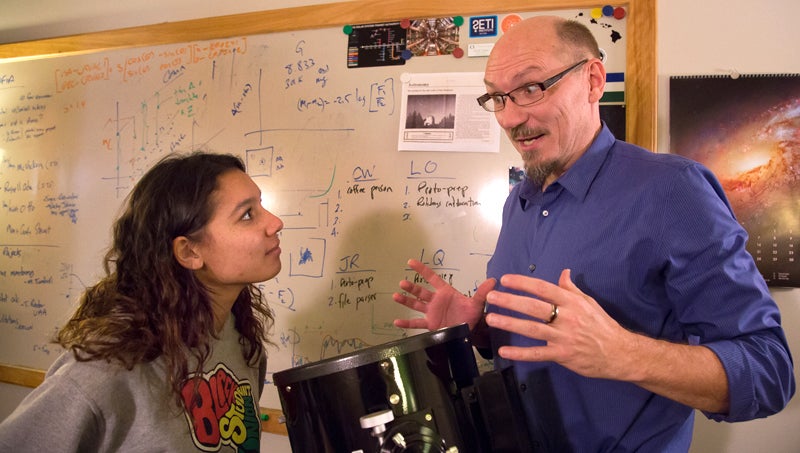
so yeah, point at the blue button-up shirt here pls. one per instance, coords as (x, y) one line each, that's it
(653, 239)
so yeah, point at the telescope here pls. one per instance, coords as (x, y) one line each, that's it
(422, 393)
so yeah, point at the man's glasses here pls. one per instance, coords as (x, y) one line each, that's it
(527, 94)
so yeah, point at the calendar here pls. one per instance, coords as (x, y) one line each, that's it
(746, 129)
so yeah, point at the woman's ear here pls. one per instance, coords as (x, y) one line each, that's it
(185, 253)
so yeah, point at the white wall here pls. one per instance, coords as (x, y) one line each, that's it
(694, 37)
(719, 37)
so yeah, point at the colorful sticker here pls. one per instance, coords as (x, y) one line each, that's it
(222, 412)
(482, 26)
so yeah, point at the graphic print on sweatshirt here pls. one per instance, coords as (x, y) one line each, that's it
(224, 411)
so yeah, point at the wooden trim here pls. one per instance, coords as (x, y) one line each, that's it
(641, 76)
(274, 423)
(276, 20)
(17, 375)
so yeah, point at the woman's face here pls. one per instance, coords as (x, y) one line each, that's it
(240, 243)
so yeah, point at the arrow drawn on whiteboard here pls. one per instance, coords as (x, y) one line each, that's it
(329, 185)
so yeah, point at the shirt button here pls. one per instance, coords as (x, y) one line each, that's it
(532, 267)
(545, 213)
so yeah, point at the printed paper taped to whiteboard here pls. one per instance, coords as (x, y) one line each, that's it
(439, 112)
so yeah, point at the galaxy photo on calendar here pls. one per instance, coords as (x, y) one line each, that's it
(746, 129)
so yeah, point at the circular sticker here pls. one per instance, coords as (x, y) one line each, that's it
(509, 21)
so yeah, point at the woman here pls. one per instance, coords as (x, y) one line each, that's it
(166, 353)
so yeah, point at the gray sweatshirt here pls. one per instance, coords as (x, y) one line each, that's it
(101, 407)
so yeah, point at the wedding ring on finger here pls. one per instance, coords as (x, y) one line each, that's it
(553, 313)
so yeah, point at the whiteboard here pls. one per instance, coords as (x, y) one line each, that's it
(320, 140)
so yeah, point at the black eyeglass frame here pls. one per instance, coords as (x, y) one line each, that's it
(482, 100)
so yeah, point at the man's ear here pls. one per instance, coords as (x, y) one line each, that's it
(597, 80)
(185, 253)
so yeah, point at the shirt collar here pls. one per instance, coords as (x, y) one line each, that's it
(577, 179)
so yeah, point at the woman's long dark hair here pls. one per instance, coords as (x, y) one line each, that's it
(148, 305)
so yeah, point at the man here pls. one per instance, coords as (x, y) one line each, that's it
(626, 298)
